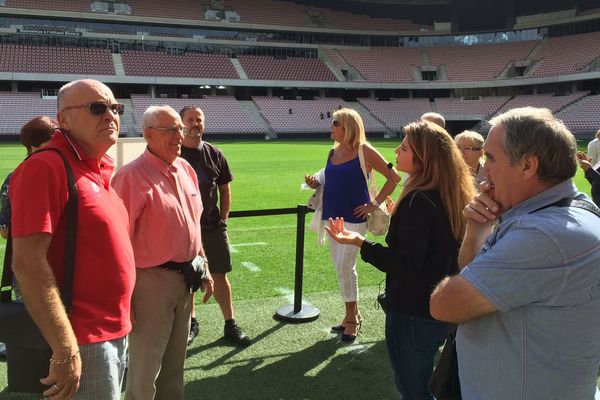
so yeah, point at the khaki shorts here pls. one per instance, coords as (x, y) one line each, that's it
(216, 247)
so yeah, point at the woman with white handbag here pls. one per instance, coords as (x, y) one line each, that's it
(346, 195)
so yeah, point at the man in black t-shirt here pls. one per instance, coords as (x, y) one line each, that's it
(214, 177)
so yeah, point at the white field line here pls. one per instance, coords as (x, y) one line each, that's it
(265, 228)
(250, 266)
(233, 247)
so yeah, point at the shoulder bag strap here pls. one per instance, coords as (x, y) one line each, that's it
(361, 158)
(6, 285)
(573, 202)
(71, 210)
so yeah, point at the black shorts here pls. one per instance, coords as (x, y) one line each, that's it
(216, 248)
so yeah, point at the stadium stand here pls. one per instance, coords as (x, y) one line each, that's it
(188, 65)
(455, 108)
(480, 62)
(224, 115)
(582, 117)
(551, 101)
(396, 113)
(305, 116)
(384, 64)
(287, 69)
(58, 5)
(357, 22)
(186, 9)
(568, 55)
(55, 60)
(16, 108)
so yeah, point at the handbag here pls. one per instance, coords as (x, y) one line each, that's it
(379, 219)
(444, 383)
(27, 351)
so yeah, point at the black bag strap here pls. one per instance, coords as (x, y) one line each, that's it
(573, 202)
(5, 295)
(71, 210)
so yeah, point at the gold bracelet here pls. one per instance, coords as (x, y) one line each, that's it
(66, 360)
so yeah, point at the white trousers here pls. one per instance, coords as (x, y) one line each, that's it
(344, 258)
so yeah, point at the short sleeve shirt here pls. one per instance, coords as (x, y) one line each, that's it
(104, 265)
(541, 270)
(212, 170)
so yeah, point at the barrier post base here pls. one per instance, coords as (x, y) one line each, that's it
(306, 314)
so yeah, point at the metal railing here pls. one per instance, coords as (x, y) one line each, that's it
(296, 312)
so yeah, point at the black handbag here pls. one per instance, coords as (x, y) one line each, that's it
(444, 383)
(27, 352)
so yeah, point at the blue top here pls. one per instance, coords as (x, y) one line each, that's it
(541, 271)
(345, 189)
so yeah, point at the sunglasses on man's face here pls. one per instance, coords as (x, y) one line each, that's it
(99, 107)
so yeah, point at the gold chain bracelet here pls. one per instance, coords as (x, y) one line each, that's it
(66, 360)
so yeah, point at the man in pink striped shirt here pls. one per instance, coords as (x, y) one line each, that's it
(160, 191)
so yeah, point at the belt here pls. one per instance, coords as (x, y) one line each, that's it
(175, 266)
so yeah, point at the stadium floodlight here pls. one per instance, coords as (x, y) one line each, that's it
(221, 87)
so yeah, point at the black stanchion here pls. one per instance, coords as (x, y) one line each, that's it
(299, 312)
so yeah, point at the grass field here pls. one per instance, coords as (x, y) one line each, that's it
(288, 361)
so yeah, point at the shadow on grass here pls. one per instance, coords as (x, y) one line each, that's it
(234, 349)
(325, 370)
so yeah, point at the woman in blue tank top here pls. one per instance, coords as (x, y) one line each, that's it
(346, 195)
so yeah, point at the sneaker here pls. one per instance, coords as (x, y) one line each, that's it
(194, 331)
(235, 335)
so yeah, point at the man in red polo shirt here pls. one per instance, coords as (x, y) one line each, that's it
(93, 338)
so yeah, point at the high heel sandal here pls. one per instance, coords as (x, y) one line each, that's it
(339, 328)
(348, 338)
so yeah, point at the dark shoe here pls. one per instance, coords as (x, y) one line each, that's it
(354, 328)
(194, 331)
(234, 334)
(338, 328)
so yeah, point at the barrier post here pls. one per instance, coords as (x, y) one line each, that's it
(298, 312)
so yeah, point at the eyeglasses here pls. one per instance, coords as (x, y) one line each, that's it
(469, 148)
(335, 123)
(99, 107)
(170, 129)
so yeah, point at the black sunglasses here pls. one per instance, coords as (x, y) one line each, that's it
(336, 123)
(99, 107)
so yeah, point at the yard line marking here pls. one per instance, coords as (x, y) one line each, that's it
(263, 228)
(250, 266)
(233, 247)
(287, 293)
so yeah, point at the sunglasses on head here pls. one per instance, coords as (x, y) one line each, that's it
(99, 107)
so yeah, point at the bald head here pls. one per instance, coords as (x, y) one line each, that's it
(436, 118)
(95, 128)
(70, 89)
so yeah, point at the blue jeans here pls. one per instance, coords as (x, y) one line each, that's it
(412, 343)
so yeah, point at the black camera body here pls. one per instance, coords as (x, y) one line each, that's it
(383, 301)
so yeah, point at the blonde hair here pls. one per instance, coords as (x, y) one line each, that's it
(439, 166)
(474, 136)
(354, 129)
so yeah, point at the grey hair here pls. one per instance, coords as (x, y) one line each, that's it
(536, 132)
(474, 136)
(151, 115)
